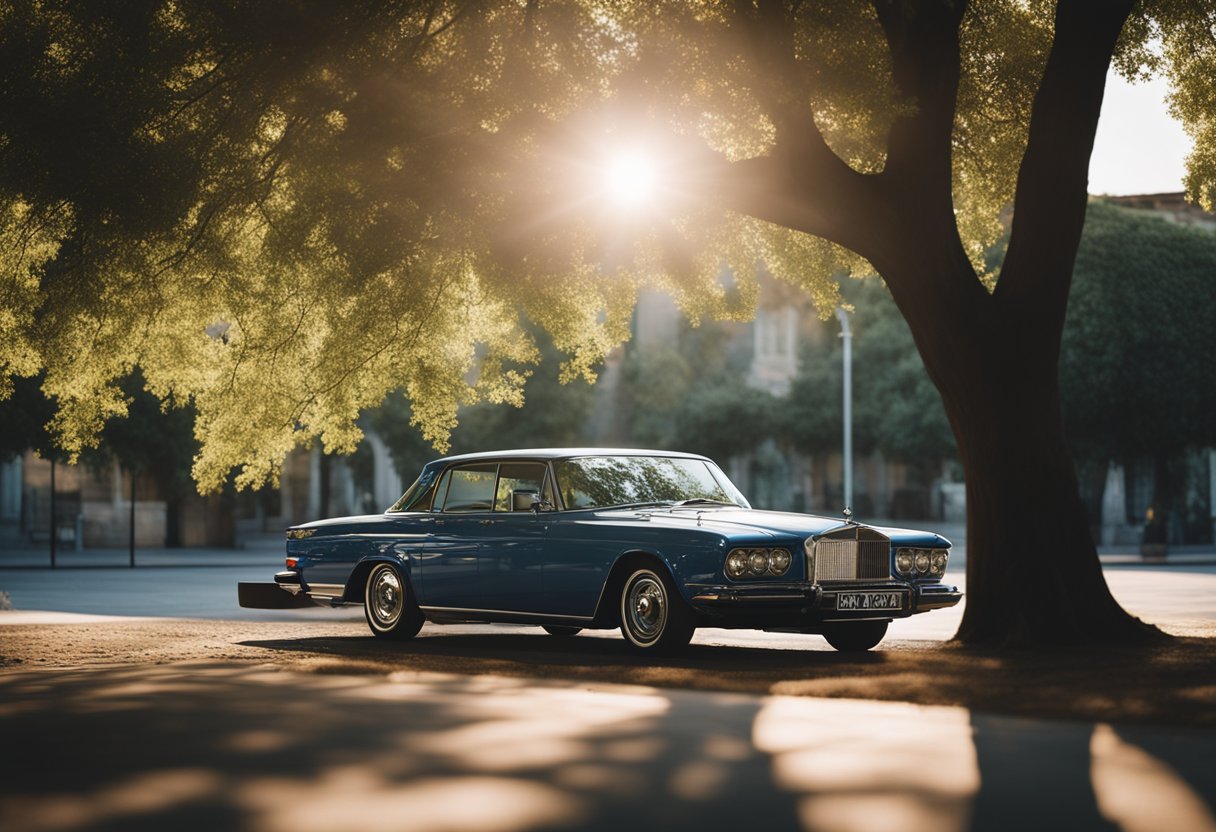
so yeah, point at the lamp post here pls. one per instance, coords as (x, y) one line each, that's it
(847, 335)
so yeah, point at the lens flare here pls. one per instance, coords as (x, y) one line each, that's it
(631, 179)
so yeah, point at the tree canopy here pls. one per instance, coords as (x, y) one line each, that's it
(283, 211)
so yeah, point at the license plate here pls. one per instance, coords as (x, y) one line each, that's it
(870, 601)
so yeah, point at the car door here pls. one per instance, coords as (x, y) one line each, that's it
(463, 511)
(512, 548)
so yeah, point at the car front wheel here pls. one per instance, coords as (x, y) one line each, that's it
(388, 604)
(654, 618)
(854, 636)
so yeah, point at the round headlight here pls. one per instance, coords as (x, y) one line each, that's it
(736, 563)
(758, 561)
(904, 561)
(922, 561)
(778, 561)
(938, 566)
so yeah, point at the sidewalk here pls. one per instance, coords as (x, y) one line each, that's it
(40, 557)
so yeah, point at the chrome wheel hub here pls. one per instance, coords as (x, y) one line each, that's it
(646, 608)
(386, 597)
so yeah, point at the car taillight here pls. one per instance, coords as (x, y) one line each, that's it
(291, 563)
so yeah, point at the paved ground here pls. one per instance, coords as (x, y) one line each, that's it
(239, 747)
(171, 717)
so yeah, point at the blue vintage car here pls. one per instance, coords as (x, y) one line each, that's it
(656, 543)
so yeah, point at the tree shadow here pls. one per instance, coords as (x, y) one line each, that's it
(236, 747)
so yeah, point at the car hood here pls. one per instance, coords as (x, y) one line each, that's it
(741, 521)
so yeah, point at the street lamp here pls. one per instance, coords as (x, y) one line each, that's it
(847, 335)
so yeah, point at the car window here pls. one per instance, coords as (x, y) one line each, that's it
(591, 482)
(522, 478)
(471, 488)
(418, 496)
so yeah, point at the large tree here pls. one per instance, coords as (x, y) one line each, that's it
(283, 210)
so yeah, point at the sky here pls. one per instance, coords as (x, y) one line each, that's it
(1139, 148)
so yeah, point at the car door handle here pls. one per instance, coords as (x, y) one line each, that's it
(487, 522)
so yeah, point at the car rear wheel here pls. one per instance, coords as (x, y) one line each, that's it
(561, 631)
(388, 604)
(654, 618)
(854, 636)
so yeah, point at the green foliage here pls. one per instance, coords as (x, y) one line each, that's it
(726, 418)
(552, 414)
(1140, 341)
(896, 409)
(692, 396)
(282, 211)
(152, 438)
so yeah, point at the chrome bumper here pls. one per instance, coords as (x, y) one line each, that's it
(937, 597)
(821, 597)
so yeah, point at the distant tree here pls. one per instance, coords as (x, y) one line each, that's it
(691, 395)
(155, 440)
(1139, 345)
(654, 383)
(896, 409)
(24, 417)
(723, 417)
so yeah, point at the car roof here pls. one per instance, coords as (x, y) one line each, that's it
(561, 453)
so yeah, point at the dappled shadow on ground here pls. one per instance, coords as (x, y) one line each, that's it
(241, 747)
(1165, 683)
(207, 746)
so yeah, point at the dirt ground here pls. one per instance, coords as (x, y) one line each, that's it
(1174, 683)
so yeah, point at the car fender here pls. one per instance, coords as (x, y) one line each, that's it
(605, 608)
(357, 581)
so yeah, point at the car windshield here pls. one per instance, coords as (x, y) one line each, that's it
(599, 481)
(414, 494)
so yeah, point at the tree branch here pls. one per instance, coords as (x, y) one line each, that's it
(923, 38)
(1052, 189)
(802, 183)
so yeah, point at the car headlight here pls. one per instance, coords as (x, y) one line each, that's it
(904, 561)
(742, 563)
(937, 565)
(736, 563)
(922, 561)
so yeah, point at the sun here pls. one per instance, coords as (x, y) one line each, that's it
(631, 178)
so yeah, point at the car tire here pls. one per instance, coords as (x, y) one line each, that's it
(854, 636)
(654, 618)
(389, 605)
(563, 632)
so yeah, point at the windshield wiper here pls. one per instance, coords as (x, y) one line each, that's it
(703, 501)
(649, 504)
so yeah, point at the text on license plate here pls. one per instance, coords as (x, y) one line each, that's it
(869, 601)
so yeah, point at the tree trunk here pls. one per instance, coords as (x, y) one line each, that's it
(1033, 573)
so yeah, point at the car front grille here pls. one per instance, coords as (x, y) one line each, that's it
(844, 559)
